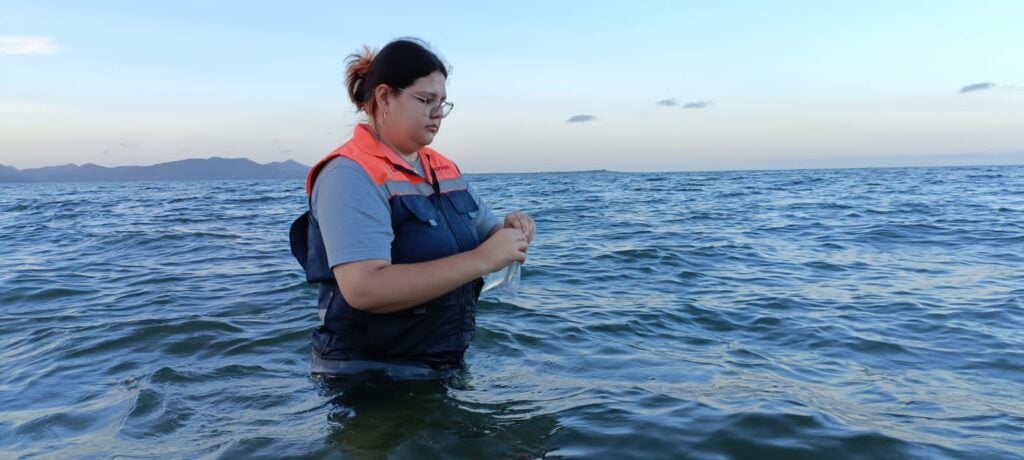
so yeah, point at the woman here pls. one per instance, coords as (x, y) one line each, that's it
(395, 236)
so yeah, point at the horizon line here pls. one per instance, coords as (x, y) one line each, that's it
(1014, 159)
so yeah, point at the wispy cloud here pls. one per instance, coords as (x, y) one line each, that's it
(689, 105)
(697, 105)
(27, 45)
(977, 87)
(580, 118)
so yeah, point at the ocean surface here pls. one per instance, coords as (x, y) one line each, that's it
(858, 313)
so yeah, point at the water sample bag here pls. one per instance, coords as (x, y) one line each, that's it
(504, 283)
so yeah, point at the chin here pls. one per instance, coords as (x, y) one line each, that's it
(427, 138)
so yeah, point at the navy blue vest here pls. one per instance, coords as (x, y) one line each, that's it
(435, 222)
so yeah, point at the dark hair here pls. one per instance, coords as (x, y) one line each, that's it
(397, 65)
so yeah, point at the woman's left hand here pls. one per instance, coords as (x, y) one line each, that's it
(523, 222)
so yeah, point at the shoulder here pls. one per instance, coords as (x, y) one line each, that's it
(342, 164)
(351, 157)
(341, 169)
(343, 177)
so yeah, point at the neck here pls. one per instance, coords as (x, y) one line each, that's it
(407, 156)
(410, 157)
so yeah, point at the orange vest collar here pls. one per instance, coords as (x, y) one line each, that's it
(363, 142)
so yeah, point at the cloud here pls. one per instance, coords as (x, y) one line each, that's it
(27, 45)
(580, 118)
(977, 87)
(689, 105)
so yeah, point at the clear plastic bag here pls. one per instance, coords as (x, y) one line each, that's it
(504, 283)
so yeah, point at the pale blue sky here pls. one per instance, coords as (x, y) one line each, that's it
(784, 83)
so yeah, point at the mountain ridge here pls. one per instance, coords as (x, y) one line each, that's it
(215, 167)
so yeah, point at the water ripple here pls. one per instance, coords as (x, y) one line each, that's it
(828, 313)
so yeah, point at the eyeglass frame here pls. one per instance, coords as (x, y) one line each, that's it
(430, 107)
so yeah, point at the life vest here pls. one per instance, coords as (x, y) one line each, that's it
(430, 219)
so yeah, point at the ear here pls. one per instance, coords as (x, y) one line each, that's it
(381, 94)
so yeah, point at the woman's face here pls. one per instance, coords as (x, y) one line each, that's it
(411, 122)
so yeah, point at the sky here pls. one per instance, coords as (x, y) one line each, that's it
(537, 86)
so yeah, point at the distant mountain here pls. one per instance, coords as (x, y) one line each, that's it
(8, 173)
(290, 167)
(192, 169)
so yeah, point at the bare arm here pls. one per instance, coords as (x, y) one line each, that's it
(377, 286)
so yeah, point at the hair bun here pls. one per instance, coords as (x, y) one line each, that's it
(357, 68)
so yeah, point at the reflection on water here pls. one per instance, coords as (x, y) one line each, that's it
(412, 419)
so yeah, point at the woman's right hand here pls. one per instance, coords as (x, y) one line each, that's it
(502, 248)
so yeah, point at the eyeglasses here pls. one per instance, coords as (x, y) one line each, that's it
(432, 108)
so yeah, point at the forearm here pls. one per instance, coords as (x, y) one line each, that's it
(396, 287)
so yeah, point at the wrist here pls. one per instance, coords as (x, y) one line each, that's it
(478, 260)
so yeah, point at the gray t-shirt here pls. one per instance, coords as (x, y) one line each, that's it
(418, 167)
(355, 217)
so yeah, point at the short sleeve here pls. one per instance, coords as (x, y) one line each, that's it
(353, 213)
(485, 220)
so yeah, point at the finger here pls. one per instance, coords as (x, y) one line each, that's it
(524, 224)
(521, 222)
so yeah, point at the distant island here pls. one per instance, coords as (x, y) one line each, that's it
(191, 169)
(220, 168)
